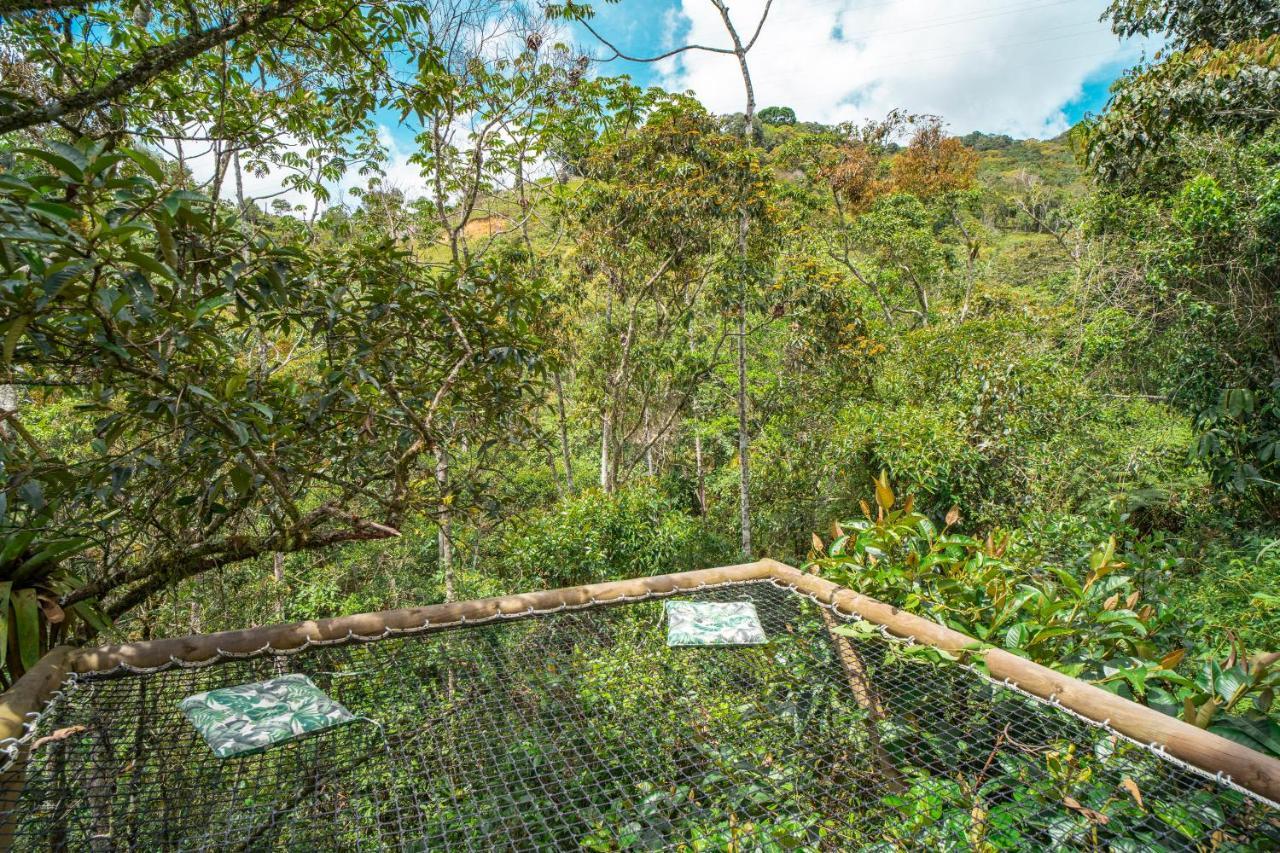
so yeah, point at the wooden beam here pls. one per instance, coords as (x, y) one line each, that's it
(203, 647)
(30, 692)
(1210, 752)
(26, 697)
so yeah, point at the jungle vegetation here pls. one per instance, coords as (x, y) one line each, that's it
(1028, 388)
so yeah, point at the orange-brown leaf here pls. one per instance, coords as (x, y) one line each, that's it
(1093, 816)
(1134, 791)
(1172, 659)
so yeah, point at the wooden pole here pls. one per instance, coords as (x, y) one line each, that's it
(203, 647)
(27, 696)
(1210, 752)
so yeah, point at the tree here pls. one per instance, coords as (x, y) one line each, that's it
(289, 85)
(648, 222)
(778, 116)
(1223, 75)
(1184, 162)
(1190, 22)
(237, 397)
(746, 264)
(882, 210)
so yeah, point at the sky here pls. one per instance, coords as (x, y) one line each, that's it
(1028, 68)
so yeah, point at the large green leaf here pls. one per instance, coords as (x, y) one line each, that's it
(1254, 731)
(26, 612)
(5, 587)
(92, 614)
(57, 160)
(50, 553)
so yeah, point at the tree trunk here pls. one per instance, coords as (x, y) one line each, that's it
(444, 523)
(649, 441)
(235, 158)
(277, 571)
(744, 228)
(566, 456)
(744, 464)
(8, 405)
(699, 473)
(971, 248)
(606, 452)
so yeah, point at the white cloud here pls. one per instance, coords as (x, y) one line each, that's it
(1006, 66)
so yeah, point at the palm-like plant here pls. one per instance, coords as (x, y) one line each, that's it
(35, 577)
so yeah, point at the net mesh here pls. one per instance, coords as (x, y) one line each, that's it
(583, 730)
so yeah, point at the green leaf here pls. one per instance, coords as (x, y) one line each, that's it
(150, 264)
(14, 334)
(213, 302)
(104, 162)
(242, 479)
(5, 587)
(89, 611)
(15, 544)
(51, 552)
(1254, 730)
(146, 164)
(60, 162)
(58, 211)
(26, 612)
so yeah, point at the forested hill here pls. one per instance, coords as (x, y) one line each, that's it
(1024, 388)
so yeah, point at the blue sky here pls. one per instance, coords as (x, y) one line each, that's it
(1029, 68)
(1024, 67)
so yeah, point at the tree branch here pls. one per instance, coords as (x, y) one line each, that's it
(152, 63)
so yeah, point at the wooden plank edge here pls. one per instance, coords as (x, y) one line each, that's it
(29, 693)
(199, 648)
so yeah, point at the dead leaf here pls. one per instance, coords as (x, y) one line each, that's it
(817, 544)
(1110, 603)
(1132, 787)
(53, 612)
(953, 516)
(1093, 816)
(1172, 659)
(60, 734)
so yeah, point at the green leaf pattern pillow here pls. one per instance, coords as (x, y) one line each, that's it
(248, 718)
(708, 623)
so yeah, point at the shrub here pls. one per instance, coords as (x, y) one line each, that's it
(594, 537)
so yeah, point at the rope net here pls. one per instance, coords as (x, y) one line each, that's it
(583, 730)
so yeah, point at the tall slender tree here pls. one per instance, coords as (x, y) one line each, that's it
(739, 51)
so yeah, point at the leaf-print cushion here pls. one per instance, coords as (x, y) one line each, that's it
(708, 623)
(248, 718)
